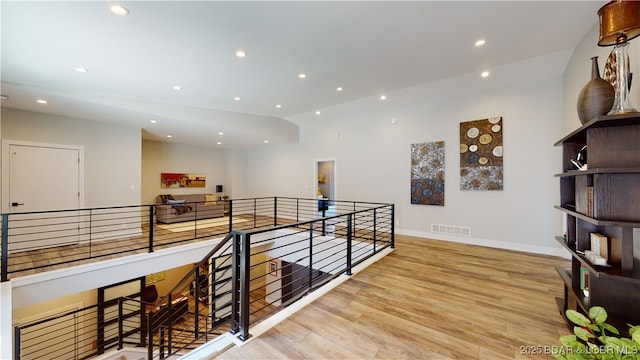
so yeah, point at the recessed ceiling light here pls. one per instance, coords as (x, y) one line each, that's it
(481, 42)
(317, 112)
(119, 10)
(241, 54)
(153, 121)
(278, 106)
(266, 141)
(302, 76)
(177, 87)
(237, 98)
(220, 133)
(81, 70)
(485, 74)
(169, 136)
(383, 97)
(339, 88)
(41, 101)
(219, 143)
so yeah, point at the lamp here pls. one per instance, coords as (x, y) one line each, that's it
(619, 23)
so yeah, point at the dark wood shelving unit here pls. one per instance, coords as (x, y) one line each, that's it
(603, 199)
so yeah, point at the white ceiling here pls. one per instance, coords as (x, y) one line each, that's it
(367, 47)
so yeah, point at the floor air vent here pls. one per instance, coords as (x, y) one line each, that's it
(451, 230)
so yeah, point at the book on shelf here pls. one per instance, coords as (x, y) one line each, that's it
(589, 209)
(599, 245)
(584, 280)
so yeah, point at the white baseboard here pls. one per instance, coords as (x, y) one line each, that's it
(543, 250)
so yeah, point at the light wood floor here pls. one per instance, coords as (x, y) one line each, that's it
(427, 300)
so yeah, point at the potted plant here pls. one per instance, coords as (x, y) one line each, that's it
(593, 338)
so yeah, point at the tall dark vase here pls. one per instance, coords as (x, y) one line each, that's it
(596, 97)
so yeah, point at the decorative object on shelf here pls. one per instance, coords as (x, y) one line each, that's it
(174, 180)
(481, 154)
(619, 23)
(596, 97)
(427, 173)
(580, 162)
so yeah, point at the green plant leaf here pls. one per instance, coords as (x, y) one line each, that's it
(636, 336)
(610, 328)
(598, 314)
(577, 318)
(582, 333)
(567, 339)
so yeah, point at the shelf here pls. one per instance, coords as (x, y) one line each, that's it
(565, 274)
(583, 303)
(596, 221)
(580, 134)
(602, 271)
(574, 173)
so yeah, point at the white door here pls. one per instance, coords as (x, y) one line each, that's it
(42, 178)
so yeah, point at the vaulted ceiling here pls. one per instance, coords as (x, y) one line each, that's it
(133, 62)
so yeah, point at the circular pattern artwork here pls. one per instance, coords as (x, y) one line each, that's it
(481, 154)
(427, 173)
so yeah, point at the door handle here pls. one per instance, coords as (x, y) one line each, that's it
(16, 204)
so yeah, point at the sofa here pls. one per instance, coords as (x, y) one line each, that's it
(176, 208)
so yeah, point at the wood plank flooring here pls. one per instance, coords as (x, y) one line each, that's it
(427, 300)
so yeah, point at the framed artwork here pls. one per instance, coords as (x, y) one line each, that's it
(481, 152)
(427, 173)
(273, 267)
(155, 277)
(181, 180)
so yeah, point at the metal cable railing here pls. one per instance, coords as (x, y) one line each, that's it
(279, 249)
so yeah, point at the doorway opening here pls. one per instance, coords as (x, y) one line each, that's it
(325, 178)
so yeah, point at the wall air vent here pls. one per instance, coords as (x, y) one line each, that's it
(451, 230)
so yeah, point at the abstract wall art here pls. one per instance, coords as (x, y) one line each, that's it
(481, 154)
(427, 173)
(175, 180)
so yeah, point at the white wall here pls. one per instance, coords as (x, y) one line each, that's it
(112, 152)
(159, 157)
(373, 160)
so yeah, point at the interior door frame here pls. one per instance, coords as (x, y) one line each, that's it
(334, 184)
(4, 193)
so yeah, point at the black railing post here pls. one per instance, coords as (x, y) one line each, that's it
(16, 338)
(195, 224)
(349, 234)
(152, 210)
(120, 325)
(245, 267)
(149, 334)
(255, 212)
(275, 211)
(297, 210)
(235, 280)
(90, 230)
(161, 343)
(169, 323)
(4, 266)
(375, 223)
(310, 255)
(393, 226)
(230, 214)
(196, 295)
